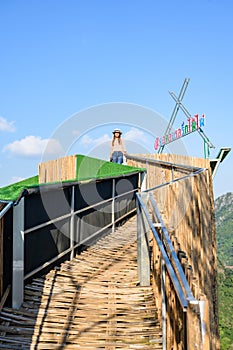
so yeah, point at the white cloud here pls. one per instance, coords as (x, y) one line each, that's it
(33, 147)
(76, 132)
(53, 147)
(87, 141)
(135, 135)
(6, 126)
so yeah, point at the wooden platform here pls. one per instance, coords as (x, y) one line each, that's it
(91, 302)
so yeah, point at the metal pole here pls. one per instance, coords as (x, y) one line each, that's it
(175, 110)
(143, 180)
(5, 209)
(72, 224)
(139, 234)
(173, 173)
(143, 247)
(199, 130)
(113, 204)
(18, 255)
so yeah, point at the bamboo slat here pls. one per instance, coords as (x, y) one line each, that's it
(187, 209)
(61, 169)
(91, 302)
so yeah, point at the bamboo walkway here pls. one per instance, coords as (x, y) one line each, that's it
(91, 302)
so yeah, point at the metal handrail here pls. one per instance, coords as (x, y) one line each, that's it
(199, 171)
(149, 219)
(182, 296)
(6, 208)
(69, 215)
(69, 250)
(193, 170)
(65, 216)
(173, 255)
(162, 162)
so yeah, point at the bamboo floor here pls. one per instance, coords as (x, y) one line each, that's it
(91, 302)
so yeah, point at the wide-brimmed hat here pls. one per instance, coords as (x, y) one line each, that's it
(117, 130)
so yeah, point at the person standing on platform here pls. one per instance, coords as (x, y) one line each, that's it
(117, 151)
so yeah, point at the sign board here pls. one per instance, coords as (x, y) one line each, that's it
(191, 125)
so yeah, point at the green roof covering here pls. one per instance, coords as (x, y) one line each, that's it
(12, 192)
(94, 168)
(87, 168)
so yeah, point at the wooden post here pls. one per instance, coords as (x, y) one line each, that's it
(205, 324)
(193, 324)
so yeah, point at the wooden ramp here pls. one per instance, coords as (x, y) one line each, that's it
(91, 302)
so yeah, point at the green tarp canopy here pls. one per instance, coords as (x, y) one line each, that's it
(88, 168)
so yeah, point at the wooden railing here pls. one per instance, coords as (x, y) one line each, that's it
(184, 200)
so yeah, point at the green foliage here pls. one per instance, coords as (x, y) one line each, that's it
(224, 225)
(225, 305)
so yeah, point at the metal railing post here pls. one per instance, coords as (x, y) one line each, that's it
(18, 255)
(205, 322)
(143, 248)
(113, 204)
(143, 181)
(72, 224)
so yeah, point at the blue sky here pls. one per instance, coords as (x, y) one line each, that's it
(60, 59)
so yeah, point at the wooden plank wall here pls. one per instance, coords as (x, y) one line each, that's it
(187, 209)
(61, 169)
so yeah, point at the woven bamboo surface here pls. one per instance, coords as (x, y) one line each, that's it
(91, 302)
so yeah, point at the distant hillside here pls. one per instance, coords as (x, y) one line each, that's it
(224, 227)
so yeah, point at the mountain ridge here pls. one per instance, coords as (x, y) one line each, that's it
(224, 228)
(224, 235)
